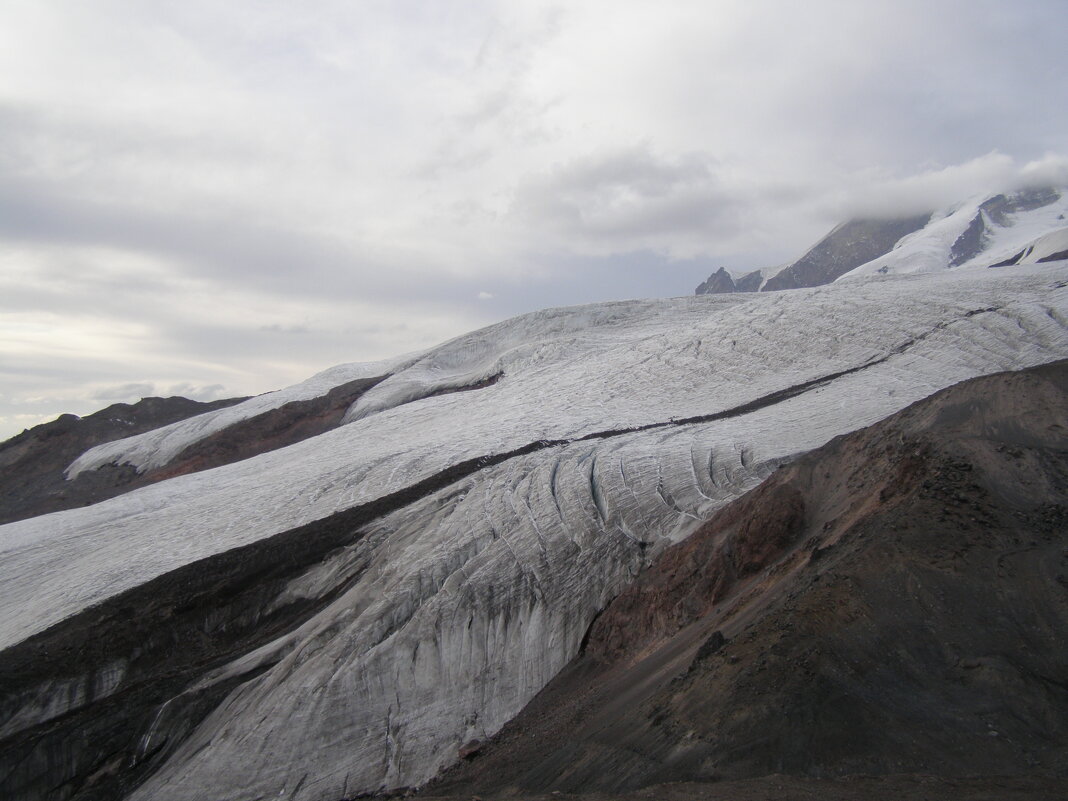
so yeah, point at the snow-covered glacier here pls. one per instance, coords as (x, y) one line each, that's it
(981, 232)
(479, 508)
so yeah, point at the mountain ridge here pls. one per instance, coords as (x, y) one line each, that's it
(974, 233)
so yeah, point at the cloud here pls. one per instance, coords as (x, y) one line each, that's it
(125, 392)
(197, 393)
(483, 295)
(278, 328)
(875, 194)
(628, 199)
(182, 184)
(1050, 170)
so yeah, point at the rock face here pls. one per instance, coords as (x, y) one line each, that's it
(998, 211)
(721, 282)
(32, 463)
(717, 283)
(845, 248)
(750, 282)
(1001, 208)
(893, 602)
(345, 614)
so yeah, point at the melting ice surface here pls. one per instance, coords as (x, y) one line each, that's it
(462, 605)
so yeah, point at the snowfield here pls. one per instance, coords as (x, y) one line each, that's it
(929, 249)
(456, 609)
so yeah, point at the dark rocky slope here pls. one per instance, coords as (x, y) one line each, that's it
(718, 283)
(893, 603)
(845, 248)
(32, 463)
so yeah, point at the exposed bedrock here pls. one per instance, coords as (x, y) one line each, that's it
(970, 243)
(293, 422)
(846, 247)
(1000, 208)
(719, 282)
(893, 602)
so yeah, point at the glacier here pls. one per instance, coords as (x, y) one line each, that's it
(608, 432)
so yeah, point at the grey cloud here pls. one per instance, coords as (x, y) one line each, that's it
(482, 148)
(125, 392)
(627, 196)
(278, 328)
(197, 393)
(883, 195)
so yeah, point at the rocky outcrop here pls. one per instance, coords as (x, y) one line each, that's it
(750, 282)
(999, 209)
(719, 282)
(846, 247)
(276, 428)
(970, 243)
(32, 463)
(893, 602)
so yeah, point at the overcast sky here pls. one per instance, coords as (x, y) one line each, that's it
(214, 199)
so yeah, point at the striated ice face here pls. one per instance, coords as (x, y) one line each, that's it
(458, 608)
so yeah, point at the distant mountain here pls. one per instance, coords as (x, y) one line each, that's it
(718, 283)
(721, 282)
(986, 231)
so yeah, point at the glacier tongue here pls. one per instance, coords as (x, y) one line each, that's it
(449, 614)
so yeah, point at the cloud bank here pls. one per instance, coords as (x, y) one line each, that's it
(240, 195)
